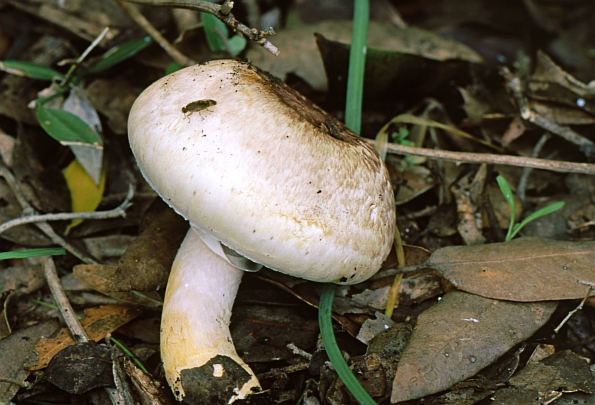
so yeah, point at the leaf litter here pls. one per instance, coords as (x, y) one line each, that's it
(526, 269)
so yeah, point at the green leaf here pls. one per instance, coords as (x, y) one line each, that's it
(548, 209)
(236, 45)
(66, 127)
(332, 350)
(25, 253)
(172, 67)
(215, 30)
(509, 196)
(30, 69)
(120, 53)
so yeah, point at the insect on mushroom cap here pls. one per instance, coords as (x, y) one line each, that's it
(266, 172)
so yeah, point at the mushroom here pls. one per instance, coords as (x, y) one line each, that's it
(264, 177)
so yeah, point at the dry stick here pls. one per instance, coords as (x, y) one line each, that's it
(80, 59)
(515, 84)
(467, 157)
(299, 352)
(398, 270)
(223, 13)
(276, 372)
(578, 308)
(140, 19)
(119, 211)
(23, 384)
(43, 226)
(76, 329)
(51, 276)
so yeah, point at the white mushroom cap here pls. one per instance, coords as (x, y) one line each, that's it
(265, 172)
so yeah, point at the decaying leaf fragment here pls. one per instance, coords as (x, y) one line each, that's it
(540, 382)
(458, 337)
(17, 350)
(525, 269)
(145, 264)
(98, 322)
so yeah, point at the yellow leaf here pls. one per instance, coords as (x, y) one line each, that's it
(85, 194)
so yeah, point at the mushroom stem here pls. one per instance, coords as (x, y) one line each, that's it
(199, 358)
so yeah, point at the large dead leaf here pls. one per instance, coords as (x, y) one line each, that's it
(525, 269)
(458, 337)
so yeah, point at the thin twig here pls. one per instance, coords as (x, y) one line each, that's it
(72, 249)
(23, 384)
(299, 352)
(276, 372)
(80, 59)
(43, 226)
(515, 84)
(575, 310)
(140, 19)
(223, 13)
(51, 276)
(76, 329)
(119, 211)
(490, 158)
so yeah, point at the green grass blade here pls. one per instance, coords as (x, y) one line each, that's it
(26, 253)
(509, 196)
(537, 214)
(332, 350)
(357, 64)
(353, 113)
(129, 354)
(30, 69)
(119, 54)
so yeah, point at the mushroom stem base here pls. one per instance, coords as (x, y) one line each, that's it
(199, 358)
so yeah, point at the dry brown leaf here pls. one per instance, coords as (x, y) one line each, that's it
(466, 192)
(98, 277)
(145, 265)
(458, 337)
(525, 269)
(99, 322)
(551, 83)
(23, 278)
(413, 179)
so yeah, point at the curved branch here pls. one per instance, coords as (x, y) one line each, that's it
(223, 13)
